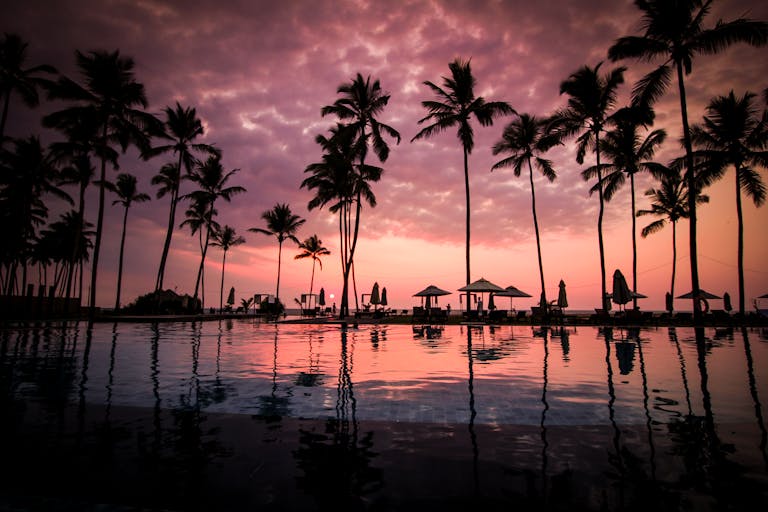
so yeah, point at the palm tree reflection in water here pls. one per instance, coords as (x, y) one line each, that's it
(755, 397)
(337, 463)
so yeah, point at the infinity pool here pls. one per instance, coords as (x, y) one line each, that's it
(233, 415)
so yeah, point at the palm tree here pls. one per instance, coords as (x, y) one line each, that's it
(670, 202)
(527, 138)
(282, 224)
(674, 31)
(200, 219)
(211, 180)
(628, 153)
(592, 96)
(27, 174)
(14, 77)
(455, 105)
(226, 238)
(182, 127)
(107, 102)
(127, 194)
(734, 133)
(361, 102)
(313, 248)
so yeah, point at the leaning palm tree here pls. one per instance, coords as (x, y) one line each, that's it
(226, 238)
(127, 194)
(182, 126)
(527, 138)
(211, 180)
(673, 30)
(669, 202)
(629, 153)
(360, 104)
(591, 97)
(455, 105)
(14, 77)
(313, 248)
(734, 134)
(108, 102)
(200, 219)
(282, 224)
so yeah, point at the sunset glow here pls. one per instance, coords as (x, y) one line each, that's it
(259, 73)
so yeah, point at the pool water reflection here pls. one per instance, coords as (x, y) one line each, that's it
(224, 415)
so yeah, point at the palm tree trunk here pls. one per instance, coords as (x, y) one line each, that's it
(221, 288)
(693, 193)
(120, 264)
(99, 229)
(603, 290)
(168, 235)
(466, 189)
(674, 261)
(279, 260)
(634, 241)
(6, 102)
(536, 229)
(740, 218)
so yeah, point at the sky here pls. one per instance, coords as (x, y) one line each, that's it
(259, 72)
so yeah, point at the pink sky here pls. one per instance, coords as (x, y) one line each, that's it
(259, 72)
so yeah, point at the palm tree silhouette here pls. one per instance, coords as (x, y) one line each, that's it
(674, 31)
(629, 153)
(361, 102)
(226, 238)
(14, 77)
(282, 224)
(313, 248)
(58, 243)
(591, 97)
(670, 202)
(527, 138)
(455, 105)
(27, 174)
(107, 103)
(182, 127)
(734, 133)
(211, 180)
(127, 194)
(199, 217)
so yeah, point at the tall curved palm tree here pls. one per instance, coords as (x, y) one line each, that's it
(127, 194)
(226, 238)
(283, 224)
(591, 97)
(628, 153)
(312, 247)
(734, 134)
(211, 180)
(110, 101)
(669, 202)
(359, 106)
(527, 138)
(200, 219)
(674, 31)
(182, 127)
(454, 106)
(14, 77)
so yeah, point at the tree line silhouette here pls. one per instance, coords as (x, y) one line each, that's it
(106, 114)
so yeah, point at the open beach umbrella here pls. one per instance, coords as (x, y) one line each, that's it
(562, 298)
(384, 296)
(321, 299)
(727, 302)
(512, 292)
(231, 296)
(703, 294)
(375, 298)
(621, 292)
(431, 291)
(480, 286)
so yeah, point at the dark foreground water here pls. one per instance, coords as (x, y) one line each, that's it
(234, 415)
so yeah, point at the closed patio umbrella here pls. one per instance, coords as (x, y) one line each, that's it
(384, 296)
(621, 292)
(321, 299)
(491, 305)
(562, 298)
(727, 302)
(231, 296)
(668, 301)
(375, 297)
